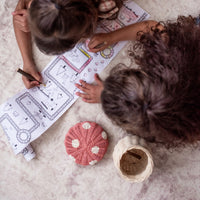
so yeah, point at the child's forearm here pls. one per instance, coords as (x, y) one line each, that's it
(24, 43)
(23, 38)
(103, 40)
(131, 32)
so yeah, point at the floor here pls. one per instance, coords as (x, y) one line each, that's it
(52, 175)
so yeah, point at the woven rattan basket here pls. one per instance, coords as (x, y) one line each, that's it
(132, 160)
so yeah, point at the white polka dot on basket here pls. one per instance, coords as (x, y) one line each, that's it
(86, 143)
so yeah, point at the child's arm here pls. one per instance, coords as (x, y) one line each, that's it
(92, 92)
(123, 34)
(23, 37)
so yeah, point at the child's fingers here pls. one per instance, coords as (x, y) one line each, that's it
(105, 16)
(83, 95)
(29, 84)
(85, 85)
(109, 14)
(97, 39)
(19, 18)
(18, 23)
(33, 84)
(97, 45)
(21, 22)
(20, 12)
(105, 6)
(38, 76)
(93, 43)
(86, 98)
(21, 27)
(89, 100)
(97, 79)
(81, 87)
(94, 50)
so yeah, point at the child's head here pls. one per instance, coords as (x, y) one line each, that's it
(123, 98)
(57, 25)
(149, 108)
(162, 98)
(135, 101)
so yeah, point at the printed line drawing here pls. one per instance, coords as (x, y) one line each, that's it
(77, 59)
(126, 15)
(107, 53)
(28, 114)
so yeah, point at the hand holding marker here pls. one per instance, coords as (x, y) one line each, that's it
(29, 76)
(100, 45)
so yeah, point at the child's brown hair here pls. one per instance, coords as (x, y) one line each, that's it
(57, 25)
(161, 99)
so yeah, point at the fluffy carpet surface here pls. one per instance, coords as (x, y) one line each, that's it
(52, 175)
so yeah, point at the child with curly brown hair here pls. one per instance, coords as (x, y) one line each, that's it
(160, 100)
(56, 26)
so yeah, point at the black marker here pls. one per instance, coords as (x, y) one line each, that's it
(29, 76)
(100, 45)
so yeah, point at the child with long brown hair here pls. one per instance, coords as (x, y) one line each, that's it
(56, 26)
(160, 100)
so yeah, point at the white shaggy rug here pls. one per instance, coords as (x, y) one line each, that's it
(52, 175)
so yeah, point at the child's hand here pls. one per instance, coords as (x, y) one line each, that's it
(92, 93)
(107, 8)
(20, 19)
(31, 69)
(99, 42)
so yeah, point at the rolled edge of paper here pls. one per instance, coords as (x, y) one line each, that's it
(28, 153)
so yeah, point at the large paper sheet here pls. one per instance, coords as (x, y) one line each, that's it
(27, 115)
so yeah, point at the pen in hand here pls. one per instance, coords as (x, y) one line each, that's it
(29, 76)
(100, 45)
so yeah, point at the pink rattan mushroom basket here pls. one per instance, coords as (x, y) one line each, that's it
(86, 143)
